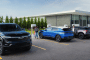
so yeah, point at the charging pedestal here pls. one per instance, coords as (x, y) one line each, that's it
(32, 25)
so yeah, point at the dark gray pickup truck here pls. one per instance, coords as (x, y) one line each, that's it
(12, 36)
(81, 32)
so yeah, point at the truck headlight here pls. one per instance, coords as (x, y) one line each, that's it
(2, 35)
(29, 36)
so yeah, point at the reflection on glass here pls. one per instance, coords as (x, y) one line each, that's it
(75, 19)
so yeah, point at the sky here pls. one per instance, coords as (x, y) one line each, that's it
(21, 8)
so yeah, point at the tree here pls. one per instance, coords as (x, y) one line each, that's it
(16, 20)
(42, 23)
(31, 20)
(1, 19)
(11, 20)
(38, 24)
(20, 22)
(35, 21)
(6, 20)
(24, 23)
(28, 22)
(45, 23)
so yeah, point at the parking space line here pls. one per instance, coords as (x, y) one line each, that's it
(0, 58)
(54, 41)
(39, 47)
(33, 45)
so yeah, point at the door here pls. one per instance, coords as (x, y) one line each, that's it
(47, 31)
(83, 21)
(53, 32)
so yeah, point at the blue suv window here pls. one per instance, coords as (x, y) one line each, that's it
(49, 28)
(66, 29)
(55, 29)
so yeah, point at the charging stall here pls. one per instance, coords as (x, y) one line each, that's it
(32, 25)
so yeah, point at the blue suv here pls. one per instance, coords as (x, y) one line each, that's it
(59, 33)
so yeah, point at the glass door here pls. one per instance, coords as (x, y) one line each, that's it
(83, 21)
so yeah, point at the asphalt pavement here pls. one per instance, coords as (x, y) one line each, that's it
(49, 49)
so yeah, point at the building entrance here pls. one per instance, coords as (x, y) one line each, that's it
(83, 21)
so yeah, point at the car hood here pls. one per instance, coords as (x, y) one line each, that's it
(16, 33)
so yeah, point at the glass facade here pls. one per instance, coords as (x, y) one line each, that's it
(75, 19)
(88, 20)
(81, 20)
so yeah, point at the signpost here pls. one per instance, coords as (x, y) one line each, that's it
(32, 25)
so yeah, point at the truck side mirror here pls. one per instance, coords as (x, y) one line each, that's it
(45, 29)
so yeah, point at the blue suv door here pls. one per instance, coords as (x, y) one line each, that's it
(53, 32)
(47, 33)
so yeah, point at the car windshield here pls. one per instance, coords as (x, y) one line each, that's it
(67, 29)
(9, 27)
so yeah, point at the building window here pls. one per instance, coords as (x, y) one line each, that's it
(75, 19)
(83, 20)
(88, 20)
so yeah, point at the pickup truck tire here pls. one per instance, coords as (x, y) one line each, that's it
(41, 35)
(58, 38)
(2, 52)
(81, 35)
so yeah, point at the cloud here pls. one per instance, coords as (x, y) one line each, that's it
(4, 1)
(21, 8)
(64, 5)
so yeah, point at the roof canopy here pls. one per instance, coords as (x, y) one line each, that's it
(74, 12)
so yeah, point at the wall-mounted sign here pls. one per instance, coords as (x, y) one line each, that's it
(75, 25)
(33, 25)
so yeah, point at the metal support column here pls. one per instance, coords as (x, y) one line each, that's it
(71, 21)
(56, 20)
(79, 21)
(87, 21)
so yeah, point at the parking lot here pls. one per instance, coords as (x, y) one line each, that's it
(48, 49)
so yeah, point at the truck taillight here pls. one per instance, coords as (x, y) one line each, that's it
(86, 30)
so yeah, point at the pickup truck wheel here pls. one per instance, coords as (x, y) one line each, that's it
(41, 35)
(81, 35)
(1, 48)
(58, 38)
(69, 39)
